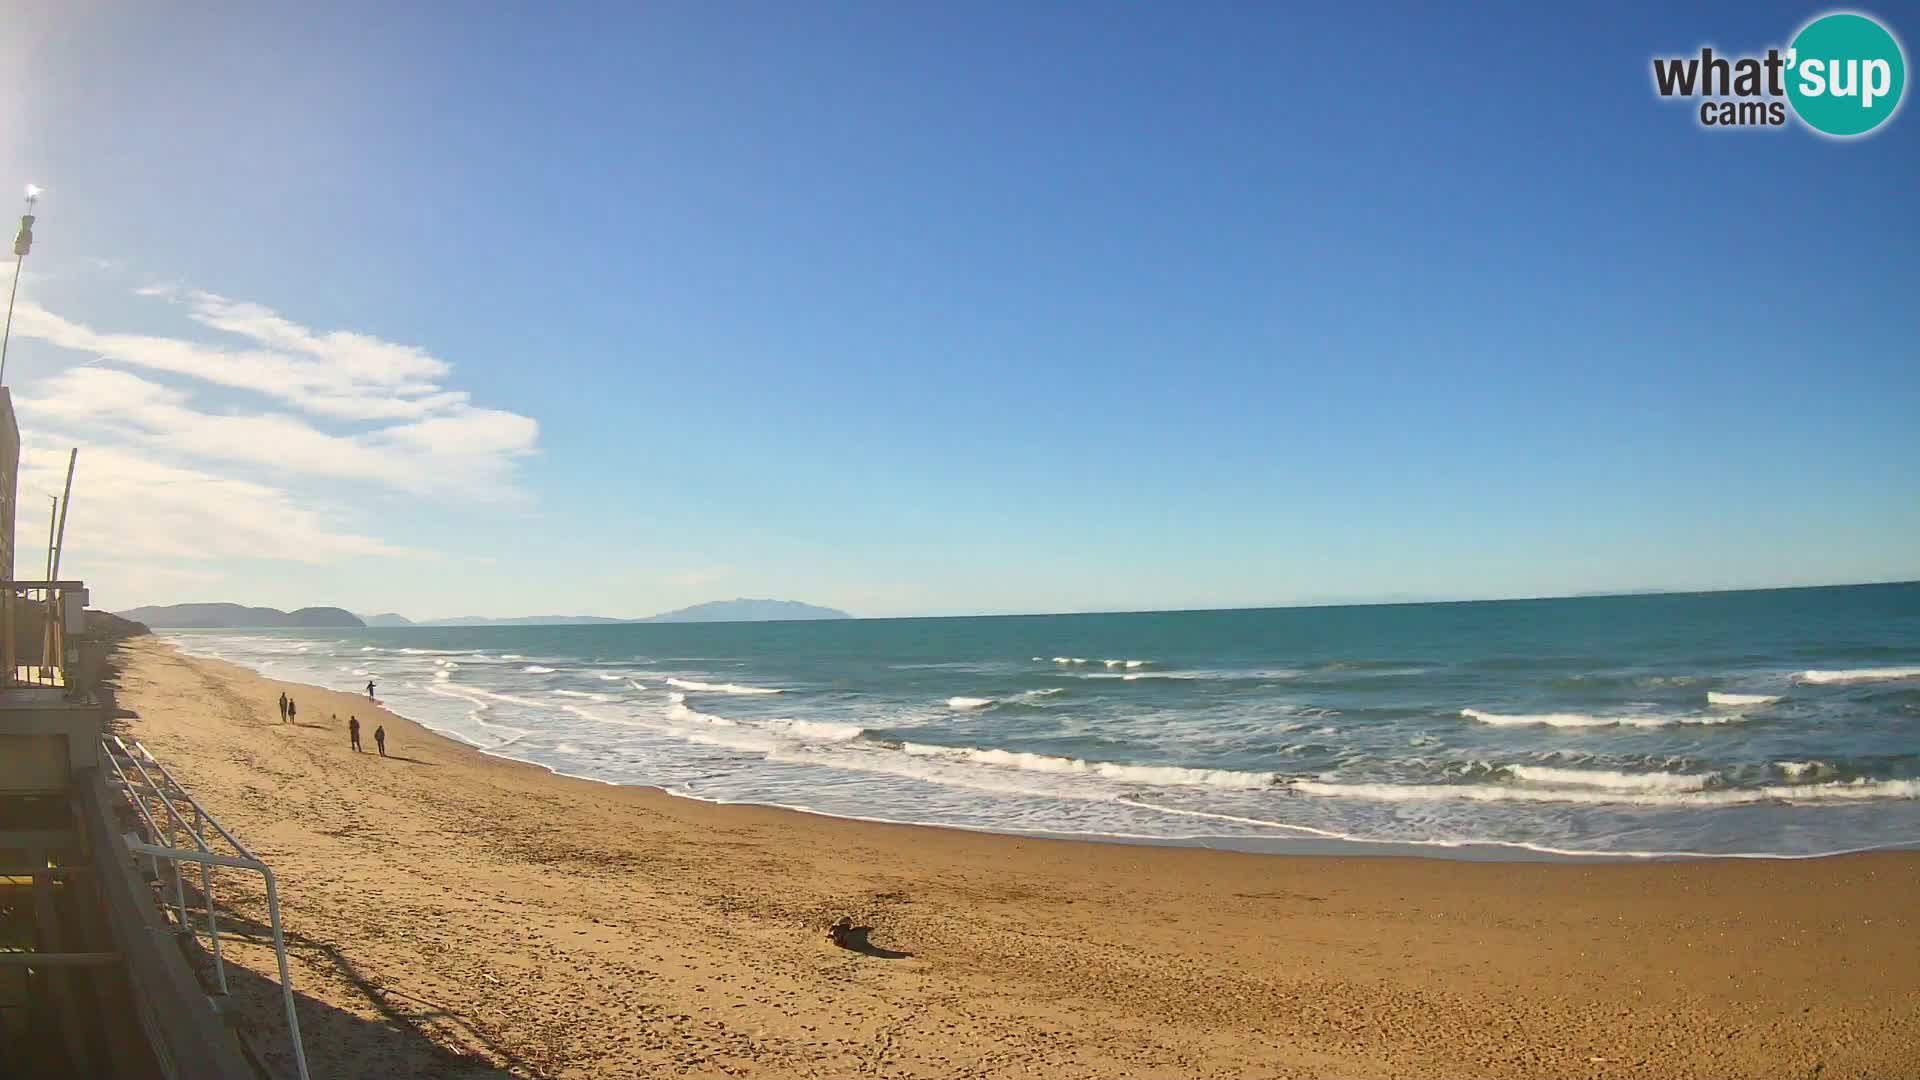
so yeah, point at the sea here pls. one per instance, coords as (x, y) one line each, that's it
(1765, 723)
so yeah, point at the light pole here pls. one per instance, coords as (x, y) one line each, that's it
(22, 244)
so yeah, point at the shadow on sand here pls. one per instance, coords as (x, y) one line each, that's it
(407, 1035)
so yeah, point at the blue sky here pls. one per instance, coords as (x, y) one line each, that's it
(917, 309)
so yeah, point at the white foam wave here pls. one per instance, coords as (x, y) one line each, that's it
(1158, 775)
(721, 688)
(1611, 780)
(1578, 720)
(1125, 663)
(536, 669)
(1848, 675)
(608, 676)
(818, 729)
(1852, 790)
(968, 703)
(583, 695)
(636, 684)
(1034, 695)
(1715, 697)
(1069, 659)
(511, 656)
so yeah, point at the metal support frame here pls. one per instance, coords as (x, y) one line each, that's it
(119, 753)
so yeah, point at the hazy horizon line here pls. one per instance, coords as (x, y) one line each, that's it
(1390, 600)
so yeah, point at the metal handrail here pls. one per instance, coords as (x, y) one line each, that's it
(207, 859)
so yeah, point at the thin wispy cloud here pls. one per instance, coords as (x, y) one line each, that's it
(135, 509)
(339, 404)
(336, 374)
(247, 436)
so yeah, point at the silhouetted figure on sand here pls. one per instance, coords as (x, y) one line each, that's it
(283, 708)
(353, 732)
(380, 739)
(292, 710)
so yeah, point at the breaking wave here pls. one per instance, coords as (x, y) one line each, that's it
(1849, 675)
(1715, 697)
(1581, 720)
(721, 688)
(1610, 780)
(1155, 775)
(1850, 790)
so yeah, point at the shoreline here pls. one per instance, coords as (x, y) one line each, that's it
(455, 912)
(1296, 840)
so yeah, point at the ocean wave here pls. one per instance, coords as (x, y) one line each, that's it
(637, 685)
(1715, 697)
(767, 737)
(1850, 790)
(1156, 775)
(608, 676)
(822, 730)
(536, 669)
(1610, 779)
(968, 703)
(721, 688)
(1800, 770)
(511, 656)
(1069, 659)
(1579, 720)
(1850, 675)
(1035, 695)
(1125, 663)
(582, 694)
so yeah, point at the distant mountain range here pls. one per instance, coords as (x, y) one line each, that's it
(224, 616)
(744, 610)
(740, 610)
(199, 616)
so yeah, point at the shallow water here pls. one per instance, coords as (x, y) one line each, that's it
(1782, 722)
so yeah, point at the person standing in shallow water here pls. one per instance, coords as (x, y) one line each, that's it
(353, 732)
(369, 689)
(380, 739)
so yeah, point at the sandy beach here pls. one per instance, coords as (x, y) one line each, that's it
(457, 915)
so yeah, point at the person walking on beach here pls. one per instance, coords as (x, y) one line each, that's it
(291, 710)
(369, 689)
(353, 732)
(380, 739)
(283, 707)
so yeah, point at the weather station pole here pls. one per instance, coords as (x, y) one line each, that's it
(22, 244)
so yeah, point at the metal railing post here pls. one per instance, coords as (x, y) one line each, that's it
(207, 859)
(286, 978)
(213, 920)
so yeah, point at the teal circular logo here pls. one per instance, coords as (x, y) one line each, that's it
(1845, 74)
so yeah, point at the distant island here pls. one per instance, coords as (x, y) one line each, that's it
(745, 610)
(740, 610)
(235, 616)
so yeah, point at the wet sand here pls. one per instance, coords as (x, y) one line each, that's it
(457, 915)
